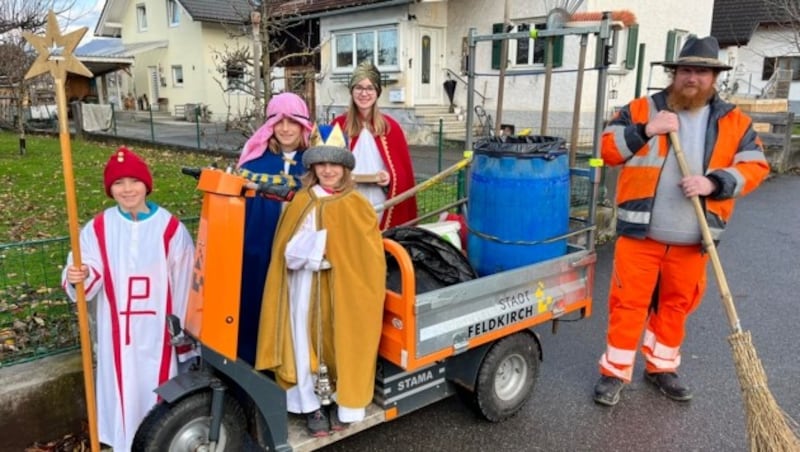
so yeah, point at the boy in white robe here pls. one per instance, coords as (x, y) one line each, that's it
(136, 265)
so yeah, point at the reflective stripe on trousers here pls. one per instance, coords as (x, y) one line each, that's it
(679, 272)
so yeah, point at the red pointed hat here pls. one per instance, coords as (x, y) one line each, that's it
(125, 163)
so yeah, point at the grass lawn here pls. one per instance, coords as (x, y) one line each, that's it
(32, 185)
(35, 317)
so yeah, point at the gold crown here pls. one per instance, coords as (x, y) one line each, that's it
(327, 135)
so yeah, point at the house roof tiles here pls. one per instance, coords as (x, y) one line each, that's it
(734, 21)
(238, 11)
(231, 11)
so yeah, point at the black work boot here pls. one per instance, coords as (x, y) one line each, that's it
(333, 415)
(317, 422)
(669, 384)
(607, 389)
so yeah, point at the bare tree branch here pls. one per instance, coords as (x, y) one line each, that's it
(16, 17)
(30, 15)
(285, 41)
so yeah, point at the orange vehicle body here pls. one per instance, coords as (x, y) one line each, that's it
(213, 315)
(213, 312)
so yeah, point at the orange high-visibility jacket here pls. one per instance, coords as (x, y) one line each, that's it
(734, 159)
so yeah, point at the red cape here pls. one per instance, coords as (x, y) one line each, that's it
(397, 159)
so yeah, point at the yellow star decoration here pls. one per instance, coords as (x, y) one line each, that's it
(59, 65)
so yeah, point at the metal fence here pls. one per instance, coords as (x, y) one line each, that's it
(38, 320)
(36, 317)
(36, 118)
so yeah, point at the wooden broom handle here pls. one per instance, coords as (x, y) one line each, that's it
(708, 241)
(424, 185)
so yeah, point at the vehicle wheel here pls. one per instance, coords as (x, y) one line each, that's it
(507, 376)
(183, 426)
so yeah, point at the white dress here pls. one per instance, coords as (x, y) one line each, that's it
(369, 161)
(140, 271)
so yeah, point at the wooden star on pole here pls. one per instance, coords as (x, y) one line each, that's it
(58, 65)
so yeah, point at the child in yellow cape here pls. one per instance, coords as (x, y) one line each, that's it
(326, 281)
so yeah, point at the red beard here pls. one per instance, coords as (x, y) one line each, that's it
(679, 100)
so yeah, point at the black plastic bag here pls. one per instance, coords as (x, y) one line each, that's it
(437, 263)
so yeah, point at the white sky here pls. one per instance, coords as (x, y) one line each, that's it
(84, 14)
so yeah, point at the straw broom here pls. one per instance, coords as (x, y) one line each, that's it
(59, 66)
(769, 429)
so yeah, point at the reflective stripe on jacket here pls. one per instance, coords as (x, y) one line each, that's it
(733, 158)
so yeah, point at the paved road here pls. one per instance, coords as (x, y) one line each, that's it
(760, 256)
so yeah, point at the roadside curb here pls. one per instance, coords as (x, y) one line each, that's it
(41, 399)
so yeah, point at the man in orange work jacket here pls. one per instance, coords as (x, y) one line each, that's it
(659, 264)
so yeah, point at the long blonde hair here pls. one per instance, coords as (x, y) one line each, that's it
(376, 124)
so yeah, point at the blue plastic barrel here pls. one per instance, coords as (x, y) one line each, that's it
(518, 198)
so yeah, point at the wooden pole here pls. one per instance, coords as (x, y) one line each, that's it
(72, 219)
(501, 79)
(576, 108)
(74, 239)
(548, 75)
(59, 67)
(255, 19)
(708, 241)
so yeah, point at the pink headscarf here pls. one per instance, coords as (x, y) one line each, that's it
(284, 105)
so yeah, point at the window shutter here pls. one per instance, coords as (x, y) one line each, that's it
(558, 51)
(633, 42)
(670, 53)
(496, 46)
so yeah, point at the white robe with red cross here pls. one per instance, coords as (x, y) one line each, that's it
(139, 272)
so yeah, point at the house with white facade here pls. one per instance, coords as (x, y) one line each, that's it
(417, 45)
(428, 46)
(760, 45)
(173, 43)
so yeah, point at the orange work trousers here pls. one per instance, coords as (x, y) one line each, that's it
(678, 273)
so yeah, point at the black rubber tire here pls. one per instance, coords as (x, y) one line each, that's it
(507, 376)
(183, 425)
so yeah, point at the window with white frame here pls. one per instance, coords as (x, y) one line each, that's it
(378, 45)
(141, 17)
(235, 73)
(177, 75)
(624, 45)
(173, 13)
(675, 40)
(618, 38)
(526, 51)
